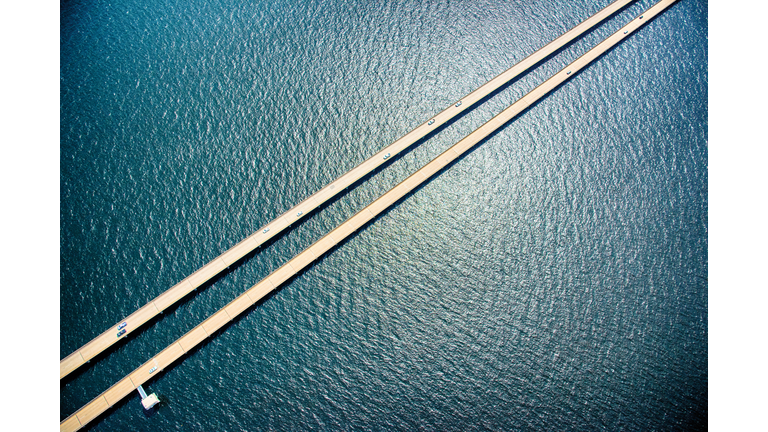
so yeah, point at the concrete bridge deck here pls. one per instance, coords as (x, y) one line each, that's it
(154, 307)
(173, 352)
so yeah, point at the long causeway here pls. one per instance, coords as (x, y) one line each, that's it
(191, 339)
(156, 306)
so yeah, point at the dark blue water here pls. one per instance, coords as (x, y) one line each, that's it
(555, 278)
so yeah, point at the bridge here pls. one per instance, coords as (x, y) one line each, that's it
(165, 300)
(242, 303)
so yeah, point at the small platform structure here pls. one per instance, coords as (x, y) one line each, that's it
(147, 401)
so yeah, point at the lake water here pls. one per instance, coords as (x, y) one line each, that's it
(555, 278)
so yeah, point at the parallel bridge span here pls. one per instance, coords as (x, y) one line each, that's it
(198, 334)
(156, 306)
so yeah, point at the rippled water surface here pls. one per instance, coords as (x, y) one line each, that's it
(555, 278)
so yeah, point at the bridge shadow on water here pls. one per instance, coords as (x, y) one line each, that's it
(170, 310)
(235, 321)
(365, 226)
